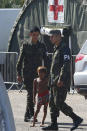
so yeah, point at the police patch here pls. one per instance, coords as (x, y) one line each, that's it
(66, 57)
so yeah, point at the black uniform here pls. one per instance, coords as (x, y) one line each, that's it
(60, 70)
(30, 58)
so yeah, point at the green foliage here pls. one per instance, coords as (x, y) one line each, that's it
(11, 3)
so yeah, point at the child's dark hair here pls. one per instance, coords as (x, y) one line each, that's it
(35, 29)
(42, 69)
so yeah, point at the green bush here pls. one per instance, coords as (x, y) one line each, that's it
(11, 3)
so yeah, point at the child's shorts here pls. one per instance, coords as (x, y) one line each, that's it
(43, 98)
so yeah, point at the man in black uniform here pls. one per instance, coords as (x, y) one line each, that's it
(31, 54)
(60, 81)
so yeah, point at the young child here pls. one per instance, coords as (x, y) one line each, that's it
(40, 87)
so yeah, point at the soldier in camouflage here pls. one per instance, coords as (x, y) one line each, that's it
(31, 54)
(59, 82)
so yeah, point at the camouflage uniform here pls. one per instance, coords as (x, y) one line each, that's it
(30, 58)
(60, 70)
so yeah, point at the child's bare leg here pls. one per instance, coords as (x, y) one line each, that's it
(36, 113)
(45, 114)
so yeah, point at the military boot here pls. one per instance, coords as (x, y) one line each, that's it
(76, 121)
(27, 117)
(51, 127)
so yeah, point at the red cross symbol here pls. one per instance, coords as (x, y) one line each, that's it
(56, 8)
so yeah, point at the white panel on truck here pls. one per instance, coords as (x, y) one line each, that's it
(7, 19)
(6, 114)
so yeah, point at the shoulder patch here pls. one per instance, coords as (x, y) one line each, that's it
(66, 54)
(66, 57)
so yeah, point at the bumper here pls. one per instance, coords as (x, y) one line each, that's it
(80, 78)
(82, 89)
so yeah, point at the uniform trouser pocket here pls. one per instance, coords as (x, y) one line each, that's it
(53, 109)
(59, 100)
(30, 104)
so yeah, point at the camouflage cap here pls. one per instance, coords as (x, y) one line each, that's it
(55, 32)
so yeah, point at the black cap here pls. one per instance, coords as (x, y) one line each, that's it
(35, 29)
(55, 32)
